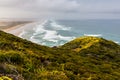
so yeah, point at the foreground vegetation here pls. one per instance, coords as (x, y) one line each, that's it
(85, 58)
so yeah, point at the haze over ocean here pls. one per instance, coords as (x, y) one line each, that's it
(70, 19)
(58, 32)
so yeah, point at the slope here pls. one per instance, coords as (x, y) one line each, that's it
(86, 58)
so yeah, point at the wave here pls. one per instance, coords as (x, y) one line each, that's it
(117, 42)
(22, 33)
(94, 35)
(47, 32)
(59, 27)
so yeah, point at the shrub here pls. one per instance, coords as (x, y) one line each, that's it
(5, 78)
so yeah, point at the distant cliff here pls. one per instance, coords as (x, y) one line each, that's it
(85, 58)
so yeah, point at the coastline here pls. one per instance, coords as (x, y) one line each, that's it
(8, 24)
(17, 29)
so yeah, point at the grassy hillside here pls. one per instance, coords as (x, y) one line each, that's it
(85, 58)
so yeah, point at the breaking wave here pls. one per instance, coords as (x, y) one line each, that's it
(47, 33)
(94, 35)
(53, 33)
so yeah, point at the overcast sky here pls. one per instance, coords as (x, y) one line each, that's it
(60, 9)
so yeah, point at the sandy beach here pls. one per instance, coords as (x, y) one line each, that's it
(12, 26)
(9, 24)
(17, 28)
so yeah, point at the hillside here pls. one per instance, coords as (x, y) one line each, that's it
(93, 46)
(85, 58)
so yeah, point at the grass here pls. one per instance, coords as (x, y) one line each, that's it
(85, 58)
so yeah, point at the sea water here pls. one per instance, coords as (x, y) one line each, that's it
(58, 32)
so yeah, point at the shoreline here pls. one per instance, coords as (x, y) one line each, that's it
(17, 29)
(8, 24)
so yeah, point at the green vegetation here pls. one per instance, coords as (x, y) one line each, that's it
(85, 58)
(5, 78)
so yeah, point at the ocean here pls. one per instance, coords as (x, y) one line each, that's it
(58, 32)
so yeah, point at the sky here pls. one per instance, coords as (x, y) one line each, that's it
(60, 9)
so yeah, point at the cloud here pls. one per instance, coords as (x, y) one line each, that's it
(36, 7)
(59, 9)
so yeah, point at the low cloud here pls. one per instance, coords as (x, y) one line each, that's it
(59, 9)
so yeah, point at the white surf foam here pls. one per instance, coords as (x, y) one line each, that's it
(42, 35)
(22, 33)
(116, 42)
(50, 35)
(56, 26)
(94, 35)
